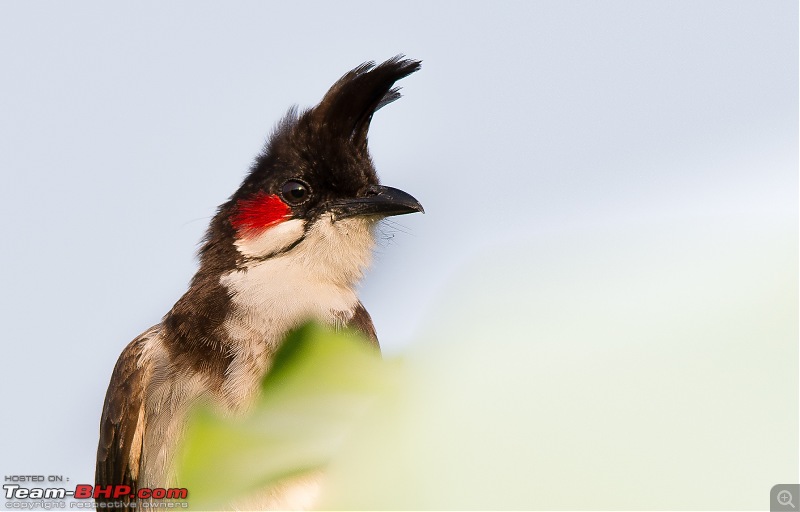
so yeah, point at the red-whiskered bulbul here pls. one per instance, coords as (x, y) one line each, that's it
(289, 245)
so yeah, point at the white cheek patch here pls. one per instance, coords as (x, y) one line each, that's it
(272, 240)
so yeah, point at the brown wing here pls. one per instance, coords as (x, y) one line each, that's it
(122, 423)
(362, 322)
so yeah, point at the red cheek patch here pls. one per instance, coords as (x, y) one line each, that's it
(261, 211)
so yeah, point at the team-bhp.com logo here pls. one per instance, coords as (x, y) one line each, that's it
(109, 495)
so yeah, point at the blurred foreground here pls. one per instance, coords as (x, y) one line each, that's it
(643, 369)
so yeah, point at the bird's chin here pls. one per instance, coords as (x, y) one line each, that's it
(361, 226)
(342, 246)
(365, 220)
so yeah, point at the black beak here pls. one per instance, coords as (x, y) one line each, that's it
(382, 201)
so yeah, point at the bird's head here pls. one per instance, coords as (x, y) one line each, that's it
(314, 191)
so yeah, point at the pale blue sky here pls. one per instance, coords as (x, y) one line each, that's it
(123, 126)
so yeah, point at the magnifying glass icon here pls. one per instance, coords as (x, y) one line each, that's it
(785, 498)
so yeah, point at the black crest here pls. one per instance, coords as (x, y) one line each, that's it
(349, 104)
(326, 145)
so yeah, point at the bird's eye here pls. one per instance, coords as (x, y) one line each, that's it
(295, 192)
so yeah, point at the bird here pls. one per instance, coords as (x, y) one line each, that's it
(289, 245)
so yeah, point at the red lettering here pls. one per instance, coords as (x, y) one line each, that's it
(83, 491)
(103, 491)
(177, 494)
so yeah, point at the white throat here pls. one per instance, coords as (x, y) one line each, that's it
(314, 280)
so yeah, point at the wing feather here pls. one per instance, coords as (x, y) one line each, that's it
(122, 423)
(362, 322)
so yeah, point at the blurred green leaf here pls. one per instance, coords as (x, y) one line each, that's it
(615, 376)
(320, 383)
